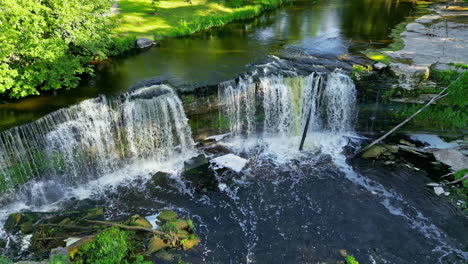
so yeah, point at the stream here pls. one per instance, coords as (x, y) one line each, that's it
(102, 144)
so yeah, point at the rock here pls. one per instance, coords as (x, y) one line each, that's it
(13, 221)
(164, 255)
(374, 152)
(27, 227)
(58, 251)
(433, 184)
(380, 66)
(452, 157)
(446, 193)
(181, 234)
(190, 243)
(391, 148)
(142, 43)
(198, 172)
(167, 215)
(181, 224)
(195, 163)
(439, 190)
(76, 246)
(407, 143)
(343, 253)
(156, 244)
(137, 220)
(161, 179)
(230, 161)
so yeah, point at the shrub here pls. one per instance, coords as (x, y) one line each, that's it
(109, 247)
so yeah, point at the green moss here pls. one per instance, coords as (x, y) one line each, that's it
(351, 260)
(110, 247)
(459, 65)
(460, 174)
(457, 92)
(58, 259)
(379, 56)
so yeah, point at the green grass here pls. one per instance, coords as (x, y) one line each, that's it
(440, 116)
(137, 18)
(457, 92)
(351, 260)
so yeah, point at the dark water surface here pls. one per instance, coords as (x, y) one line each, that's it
(327, 28)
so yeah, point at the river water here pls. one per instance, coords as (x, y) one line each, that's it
(284, 206)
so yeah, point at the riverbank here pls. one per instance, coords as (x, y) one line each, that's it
(141, 18)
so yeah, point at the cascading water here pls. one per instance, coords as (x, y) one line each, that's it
(96, 137)
(285, 103)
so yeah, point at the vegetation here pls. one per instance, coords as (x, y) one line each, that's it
(46, 44)
(460, 174)
(181, 17)
(351, 260)
(58, 259)
(5, 260)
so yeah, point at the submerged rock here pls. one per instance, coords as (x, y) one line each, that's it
(164, 255)
(142, 43)
(198, 172)
(380, 66)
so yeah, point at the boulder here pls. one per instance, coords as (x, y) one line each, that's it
(165, 256)
(439, 190)
(167, 215)
(161, 179)
(156, 244)
(374, 152)
(181, 224)
(137, 220)
(142, 43)
(380, 66)
(13, 221)
(452, 157)
(190, 243)
(197, 170)
(58, 251)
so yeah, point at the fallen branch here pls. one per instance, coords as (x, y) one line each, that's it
(137, 228)
(435, 98)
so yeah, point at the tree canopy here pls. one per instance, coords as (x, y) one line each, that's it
(45, 44)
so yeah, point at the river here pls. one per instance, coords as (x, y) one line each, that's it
(76, 150)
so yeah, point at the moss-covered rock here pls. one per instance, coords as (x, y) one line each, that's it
(156, 244)
(190, 243)
(137, 220)
(167, 215)
(374, 152)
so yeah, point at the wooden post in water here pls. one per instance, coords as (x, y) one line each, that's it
(306, 128)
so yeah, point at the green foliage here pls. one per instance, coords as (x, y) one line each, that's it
(5, 260)
(351, 260)
(46, 44)
(459, 65)
(169, 227)
(436, 116)
(460, 174)
(155, 5)
(109, 247)
(58, 259)
(190, 224)
(457, 92)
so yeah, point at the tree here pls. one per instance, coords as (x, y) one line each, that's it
(46, 44)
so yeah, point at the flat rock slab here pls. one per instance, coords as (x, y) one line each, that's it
(230, 161)
(452, 157)
(431, 39)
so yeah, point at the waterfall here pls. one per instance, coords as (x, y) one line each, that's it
(283, 103)
(96, 137)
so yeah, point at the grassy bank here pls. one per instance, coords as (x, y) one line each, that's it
(139, 18)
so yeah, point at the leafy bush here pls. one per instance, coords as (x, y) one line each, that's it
(460, 174)
(109, 247)
(58, 259)
(46, 44)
